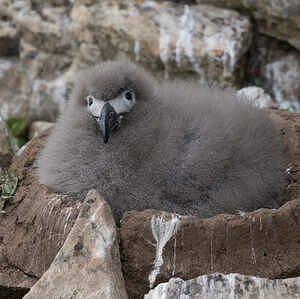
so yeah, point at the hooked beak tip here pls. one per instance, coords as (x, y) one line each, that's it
(107, 121)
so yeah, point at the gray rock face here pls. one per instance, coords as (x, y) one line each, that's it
(12, 102)
(257, 96)
(8, 37)
(88, 265)
(5, 151)
(276, 67)
(171, 40)
(276, 18)
(215, 286)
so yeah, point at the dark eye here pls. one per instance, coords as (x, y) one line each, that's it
(128, 95)
(90, 100)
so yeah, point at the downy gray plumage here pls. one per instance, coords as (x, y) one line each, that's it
(173, 146)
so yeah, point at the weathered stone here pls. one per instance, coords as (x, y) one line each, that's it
(37, 127)
(280, 19)
(88, 265)
(14, 284)
(257, 96)
(35, 223)
(57, 40)
(5, 151)
(228, 286)
(12, 102)
(9, 42)
(202, 41)
(276, 67)
(156, 246)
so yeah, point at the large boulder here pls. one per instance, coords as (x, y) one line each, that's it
(34, 224)
(88, 265)
(171, 40)
(157, 246)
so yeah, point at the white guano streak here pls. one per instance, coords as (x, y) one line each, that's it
(162, 229)
(184, 41)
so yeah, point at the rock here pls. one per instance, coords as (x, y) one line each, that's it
(276, 67)
(12, 102)
(36, 222)
(201, 40)
(257, 96)
(9, 41)
(279, 19)
(14, 284)
(228, 286)
(5, 151)
(37, 127)
(88, 265)
(57, 40)
(156, 246)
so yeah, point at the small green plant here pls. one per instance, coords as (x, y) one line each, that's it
(16, 139)
(8, 186)
(258, 82)
(288, 109)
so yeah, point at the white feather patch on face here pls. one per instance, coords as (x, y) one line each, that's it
(122, 103)
(94, 106)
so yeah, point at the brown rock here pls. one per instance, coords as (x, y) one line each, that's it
(36, 223)
(88, 265)
(156, 246)
(263, 243)
(14, 284)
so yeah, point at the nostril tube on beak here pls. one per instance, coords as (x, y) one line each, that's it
(108, 121)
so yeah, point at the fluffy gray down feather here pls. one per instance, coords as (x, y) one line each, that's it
(183, 148)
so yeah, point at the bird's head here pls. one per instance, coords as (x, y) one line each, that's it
(112, 92)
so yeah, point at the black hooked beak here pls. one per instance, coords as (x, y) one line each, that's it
(108, 121)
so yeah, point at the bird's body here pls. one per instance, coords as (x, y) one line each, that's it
(181, 147)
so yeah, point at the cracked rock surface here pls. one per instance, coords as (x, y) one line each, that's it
(88, 265)
(56, 40)
(228, 286)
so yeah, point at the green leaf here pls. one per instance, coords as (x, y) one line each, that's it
(17, 126)
(7, 188)
(258, 82)
(16, 143)
(8, 185)
(13, 143)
